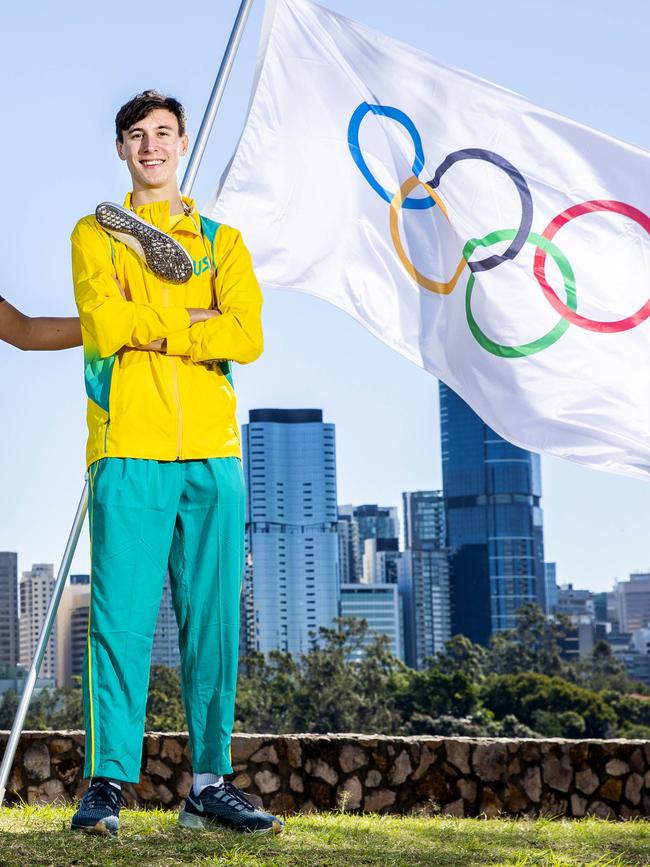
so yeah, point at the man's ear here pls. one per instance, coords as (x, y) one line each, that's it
(185, 143)
(119, 147)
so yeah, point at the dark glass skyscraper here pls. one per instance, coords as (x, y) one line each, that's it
(492, 493)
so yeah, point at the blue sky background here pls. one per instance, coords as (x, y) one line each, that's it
(67, 67)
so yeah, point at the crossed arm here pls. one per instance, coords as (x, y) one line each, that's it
(112, 321)
(41, 332)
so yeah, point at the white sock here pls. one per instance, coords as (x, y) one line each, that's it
(111, 782)
(201, 781)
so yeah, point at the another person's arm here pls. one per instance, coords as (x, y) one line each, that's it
(41, 332)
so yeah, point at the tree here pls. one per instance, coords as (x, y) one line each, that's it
(525, 694)
(462, 656)
(535, 644)
(165, 710)
(602, 670)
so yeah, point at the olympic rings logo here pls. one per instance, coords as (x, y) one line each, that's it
(517, 238)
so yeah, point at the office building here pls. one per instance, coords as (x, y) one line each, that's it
(379, 605)
(358, 524)
(350, 560)
(71, 629)
(380, 559)
(291, 573)
(492, 493)
(550, 579)
(633, 598)
(165, 641)
(36, 588)
(424, 577)
(9, 635)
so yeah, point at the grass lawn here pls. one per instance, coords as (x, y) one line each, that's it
(40, 836)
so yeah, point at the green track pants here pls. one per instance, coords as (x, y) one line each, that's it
(146, 517)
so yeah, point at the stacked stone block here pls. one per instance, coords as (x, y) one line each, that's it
(361, 773)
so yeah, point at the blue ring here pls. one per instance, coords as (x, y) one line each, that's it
(420, 204)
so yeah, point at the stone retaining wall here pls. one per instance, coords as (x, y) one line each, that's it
(304, 773)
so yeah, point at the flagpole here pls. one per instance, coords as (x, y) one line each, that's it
(215, 96)
(186, 187)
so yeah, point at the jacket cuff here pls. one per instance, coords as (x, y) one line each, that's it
(179, 342)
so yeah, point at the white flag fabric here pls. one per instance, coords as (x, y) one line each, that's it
(502, 247)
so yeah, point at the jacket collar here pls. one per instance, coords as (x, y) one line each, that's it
(157, 213)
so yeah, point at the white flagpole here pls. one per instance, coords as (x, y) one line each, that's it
(186, 187)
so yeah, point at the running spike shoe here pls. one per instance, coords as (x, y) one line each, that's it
(226, 806)
(162, 254)
(99, 810)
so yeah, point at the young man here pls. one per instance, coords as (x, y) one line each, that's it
(166, 483)
(41, 332)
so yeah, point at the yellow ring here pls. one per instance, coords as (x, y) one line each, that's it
(395, 206)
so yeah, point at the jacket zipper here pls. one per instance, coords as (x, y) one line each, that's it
(179, 434)
(175, 387)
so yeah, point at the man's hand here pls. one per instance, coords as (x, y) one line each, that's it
(200, 314)
(120, 287)
(197, 314)
(154, 346)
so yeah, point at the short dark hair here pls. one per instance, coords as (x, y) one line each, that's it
(143, 104)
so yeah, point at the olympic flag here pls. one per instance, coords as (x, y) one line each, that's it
(502, 247)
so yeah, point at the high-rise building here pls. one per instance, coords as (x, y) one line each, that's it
(291, 575)
(165, 641)
(424, 577)
(380, 559)
(633, 599)
(379, 604)
(9, 635)
(551, 595)
(358, 525)
(71, 629)
(36, 588)
(492, 495)
(350, 564)
(375, 522)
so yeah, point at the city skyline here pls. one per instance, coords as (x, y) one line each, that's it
(385, 409)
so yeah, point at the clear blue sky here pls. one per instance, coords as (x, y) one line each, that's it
(67, 67)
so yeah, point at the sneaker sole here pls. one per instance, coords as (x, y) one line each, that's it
(162, 254)
(198, 823)
(100, 829)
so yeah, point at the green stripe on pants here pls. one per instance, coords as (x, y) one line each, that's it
(145, 517)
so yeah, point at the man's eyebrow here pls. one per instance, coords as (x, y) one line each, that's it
(141, 129)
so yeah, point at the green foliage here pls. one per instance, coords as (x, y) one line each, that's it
(341, 684)
(520, 686)
(8, 708)
(534, 645)
(165, 710)
(433, 692)
(526, 694)
(601, 670)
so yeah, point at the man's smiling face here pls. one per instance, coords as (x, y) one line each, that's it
(152, 148)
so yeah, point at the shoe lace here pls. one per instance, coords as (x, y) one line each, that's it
(103, 794)
(238, 796)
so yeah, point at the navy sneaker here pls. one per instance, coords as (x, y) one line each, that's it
(227, 806)
(99, 810)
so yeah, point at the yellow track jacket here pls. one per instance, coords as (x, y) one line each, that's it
(179, 405)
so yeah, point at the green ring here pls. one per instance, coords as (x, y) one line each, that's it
(569, 286)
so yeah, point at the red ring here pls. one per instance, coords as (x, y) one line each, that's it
(540, 265)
